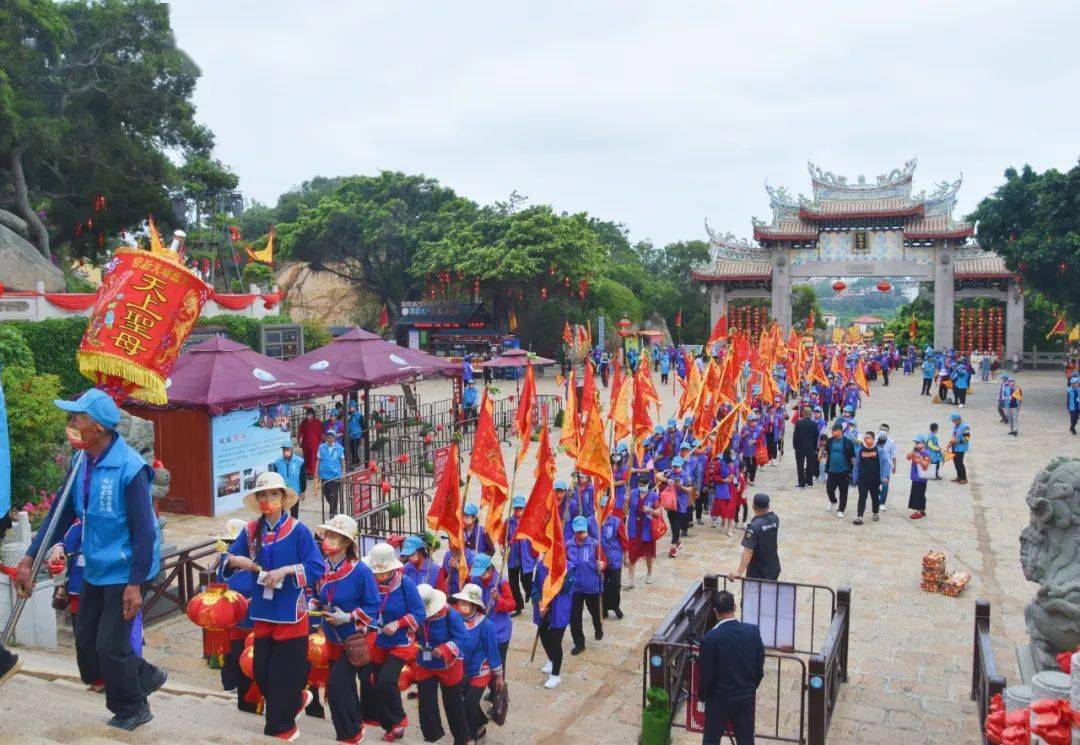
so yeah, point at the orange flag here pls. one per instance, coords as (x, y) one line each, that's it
(729, 380)
(645, 383)
(817, 372)
(486, 464)
(719, 332)
(726, 428)
(836, 367)
(620, 411)
(156, 246)
(523, 420)
(446, 508)
(541, 522)
(588, 390)
(769, 390)
(692, 389)
(792, 368)
(566, 337)
(595, 457)
(616, 380)
(860, 378)
(568, 441)
(641, 421)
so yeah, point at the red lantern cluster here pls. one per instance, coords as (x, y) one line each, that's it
(982, 329)
(751, 320)
(839, 286)
(216, 610)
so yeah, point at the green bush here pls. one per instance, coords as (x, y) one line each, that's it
(14, 351)
(53, 343)
(36, 433)
(257, 274)
(315, 334)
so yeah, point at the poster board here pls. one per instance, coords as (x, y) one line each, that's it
(438, 461)
(243, 445)
(771, 607)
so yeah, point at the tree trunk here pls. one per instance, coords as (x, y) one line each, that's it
(13, 222)
(38, 233)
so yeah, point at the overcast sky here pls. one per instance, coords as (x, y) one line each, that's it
(658, 115)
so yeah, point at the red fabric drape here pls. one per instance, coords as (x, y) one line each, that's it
(270, 299)
(72, 301)
(233, 302)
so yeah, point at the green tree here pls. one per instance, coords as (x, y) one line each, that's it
(93, 98)
(35, 432)
(14, 351)
(804, 300)
(1033, 220)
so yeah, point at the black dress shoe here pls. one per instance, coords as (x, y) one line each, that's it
(577, 650)
(618, 614)
(133, 722)
(157, 679)
(599, 634)
(9, 665)
(315, 709)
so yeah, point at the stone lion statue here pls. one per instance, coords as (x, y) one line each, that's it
(1050, 556)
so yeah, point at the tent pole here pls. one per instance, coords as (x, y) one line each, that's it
(367, 424)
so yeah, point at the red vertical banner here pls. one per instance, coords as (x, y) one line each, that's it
(359, 485)
(438, 461)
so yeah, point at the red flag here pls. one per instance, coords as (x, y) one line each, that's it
(913, 328)
(541, 522)
(523, 420)
(817, 372)
(810, 321)
(384, 317)
(588, 390)
(486, 464)
(446, 508)
(566, 337)
(1059, 327)
(719, 332)
(640, 419)
(860, 377)
(616, 381)
(678, 317)
(620, 410)
(726, 428)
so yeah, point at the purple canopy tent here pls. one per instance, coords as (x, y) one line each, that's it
(369, 361)
(517, 358)
(210, 379)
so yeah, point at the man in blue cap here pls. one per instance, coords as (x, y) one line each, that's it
(355, 430)
(1004, 394)
(121, 550)
(583, 559)
(961, 437)
(928, 370)
(521, 559)
(469, 399)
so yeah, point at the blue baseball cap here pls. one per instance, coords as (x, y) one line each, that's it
(849, 408)
(685, 446)
(687, 421)
(560, 485)
(623, 448)
(671, 423)
(518, 502)
(411, 545)
(480, 564)
(95, 404)
(472, 510)
(658, 430)
(677, 462)
(954, 416)
(580, 524)
(818, 409)
(920, 438)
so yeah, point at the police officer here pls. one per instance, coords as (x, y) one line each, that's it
(759, 557)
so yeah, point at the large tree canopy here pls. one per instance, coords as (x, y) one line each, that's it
(1033, 220)
(93, 98)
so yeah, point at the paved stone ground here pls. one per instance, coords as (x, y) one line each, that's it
(910, 655)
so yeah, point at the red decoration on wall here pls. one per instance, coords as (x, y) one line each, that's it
(839, 286)
(883, 286)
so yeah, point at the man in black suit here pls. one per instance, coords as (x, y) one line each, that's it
(805, 441)
(732, 663)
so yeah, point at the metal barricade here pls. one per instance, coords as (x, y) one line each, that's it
(183, 572)
(986, 682)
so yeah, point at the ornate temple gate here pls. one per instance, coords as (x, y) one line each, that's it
(863, 229)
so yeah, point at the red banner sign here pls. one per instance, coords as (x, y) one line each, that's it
(695, 707)
(439, 461)
(145, 309)
(359, 486)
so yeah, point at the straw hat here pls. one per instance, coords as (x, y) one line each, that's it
(434, 600)
(471, 593)
(382, 558)
(232, 529)
(343, 525)
(266, 482)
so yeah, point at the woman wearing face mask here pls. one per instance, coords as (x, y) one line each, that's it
(920, 471)
(722, 478)
(282, 553)
(871, 470)
(349, 599)
(418, 565)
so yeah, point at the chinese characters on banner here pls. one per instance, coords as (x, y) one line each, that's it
(438, 461)
(145, 309)
(358, 486)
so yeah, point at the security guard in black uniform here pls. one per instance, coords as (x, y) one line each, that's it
(759, 557)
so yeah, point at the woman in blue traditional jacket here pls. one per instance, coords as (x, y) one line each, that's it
(643, 506)
(418, 564)
(282, 553)
(440, 664)
(498, 601)
(551, 624)
(349, 599)
(476, 538)
(400, 614)
(521, 559)
(480, 649)
(232, 677)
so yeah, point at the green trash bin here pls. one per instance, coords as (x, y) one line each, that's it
(656, 718)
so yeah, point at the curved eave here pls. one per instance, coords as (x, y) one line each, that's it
(984, 275)
(764, 234)
(913, 211)
(700, 277)
(965, 232)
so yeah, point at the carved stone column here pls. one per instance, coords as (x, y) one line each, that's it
(781, 288)
(1014, 323)
(943, 297)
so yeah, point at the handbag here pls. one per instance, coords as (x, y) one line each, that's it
(356, 650)
(668, 499)
(500, 705)
(659, 527)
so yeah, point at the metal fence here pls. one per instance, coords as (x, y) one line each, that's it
(797, 697)
(986, 682)
(183, 573)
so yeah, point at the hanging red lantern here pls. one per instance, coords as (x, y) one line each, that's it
(216, 610)
(427, 438)
(551, 270)
(476, 286)
(543, 293)
(839, 286)
(583, 287)
(884, 286)
(1061, 267)
(318, 655)
(384, 486)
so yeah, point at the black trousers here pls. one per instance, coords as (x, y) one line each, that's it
(612, 590)
(719, 712)
(1073, 417)
(926, 383)
(750, 463)
(943, 392)
(663, 378)
(961, 395)
(577, 605)
(474, 716)
(870, 489)
(551, 640)
(233, 678)
(1001, 413)
(917, 498)
(832, 410)
(453, 705)
(700, 503)
(281, 670)
(389, 710)
(330, 492)
(680, 524)
(804, 468)
(103, 649)
(837, 482)
(770, 445)
(958, 461)
(885, 375)
(520, 580)
(344, 701)
(354, 450)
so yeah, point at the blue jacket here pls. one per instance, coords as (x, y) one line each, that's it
(559, 608)
(582, 502)
(241, 582)
(330, 461)
(962, 435)
(480, 647)
(351, 587)
(400, 602)
(732, 661)
(500, 619)
(121, 539)
(582, 558)
(469, 396)
(353, 420)
(638, 524)
(289, 543)
(682, 498)
(961, 376)
(292, 470)
(622, 473)
(453, 581)
(72, 545)
(609, 541)
(426, 575)
(444, 631)
(477, 539)
(1072, 399)
(522, 555)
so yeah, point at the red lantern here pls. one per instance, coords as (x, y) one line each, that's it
(543, 293)
(403, 458)
(565, 281)
(839, 286)
(438, 428)
(318, 655)
(217, 609)
(583, 288)
(1, 288)
(551, 270)
(883, 286)
(384, 486)
(427, 439)
(371, 466)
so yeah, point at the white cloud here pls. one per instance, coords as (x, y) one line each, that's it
(656, 114)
